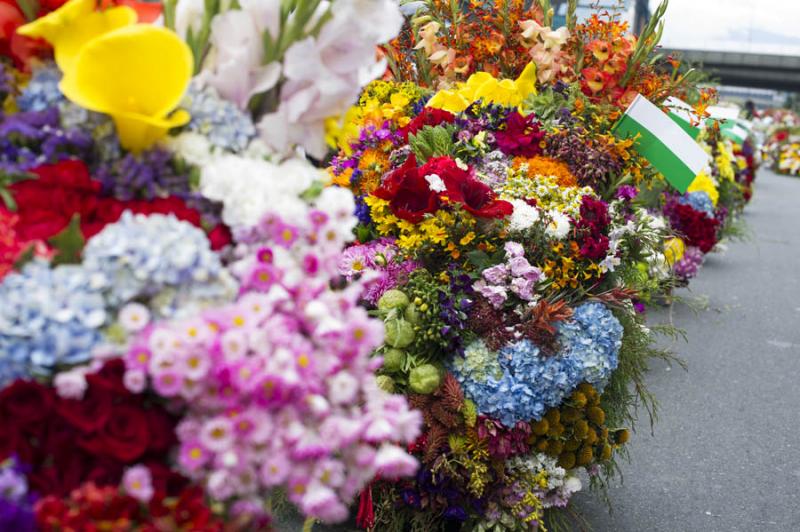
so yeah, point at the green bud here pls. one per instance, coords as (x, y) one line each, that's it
(412, 314)
(424, 379)
(399, 333)
(392, 299)
(385, 383)
(394, 360)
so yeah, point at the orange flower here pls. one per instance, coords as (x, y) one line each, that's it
(548, 167)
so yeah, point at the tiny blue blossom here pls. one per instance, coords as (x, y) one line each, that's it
(520, 384)
(42, 90)
(49, 317)
(142, 255)
(225, 125)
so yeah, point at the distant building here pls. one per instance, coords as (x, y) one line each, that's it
(635, 12)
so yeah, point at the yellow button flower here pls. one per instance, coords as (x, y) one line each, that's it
(71, 26)
(674, 248)
(138, 75)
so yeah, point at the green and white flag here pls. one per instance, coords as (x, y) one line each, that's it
(734, 131)
(683, 115)
(671, 150)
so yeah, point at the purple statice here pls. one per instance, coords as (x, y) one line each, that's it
(30, 139)
(16, 502)
(690, 263)
(493, 168)
(154, 174)
(626, 192)
(590, 161)
(42, 91)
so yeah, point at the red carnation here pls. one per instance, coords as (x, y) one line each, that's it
(427, 117)
(520, 136)
(476, 197)
(699, 230)
(408, 193)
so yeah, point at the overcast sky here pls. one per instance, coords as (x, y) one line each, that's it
(758, 26)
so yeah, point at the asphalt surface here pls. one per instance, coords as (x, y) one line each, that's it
(725, 455)
(726, 451)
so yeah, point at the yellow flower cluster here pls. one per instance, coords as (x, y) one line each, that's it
(381, 101)
(724, 161)
(549, 195)
(705, 183)
(568, 268)
(490, 90)
(437, 230)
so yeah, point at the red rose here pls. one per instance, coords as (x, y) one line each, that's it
(68, 468)
(161, 428)
(88, 414)
(427, 117)
(47, 204)
(104, 472)
(408, 193)
(110, 378)
(476, 197)
(125, 435)
(8, 438)
(520, 135)
(26, 403)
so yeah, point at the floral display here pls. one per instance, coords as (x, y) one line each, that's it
(385, 266)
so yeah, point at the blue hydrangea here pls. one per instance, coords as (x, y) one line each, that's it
(699, 201)
(143, 254)
(225, 125)
(519, 384)
(42, 90)
(48, 318)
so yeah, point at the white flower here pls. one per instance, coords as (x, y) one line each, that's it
(559, 225)
(134, 317)
(435, 183)
(194, 148)
(524, 215)
(248, 189)
(342, 388)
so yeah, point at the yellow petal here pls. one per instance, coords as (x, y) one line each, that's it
(136, 74)
(674, 248)
(74, 24)
(447, 100)
(526, 82)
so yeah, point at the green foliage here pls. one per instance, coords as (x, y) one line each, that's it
(431, 142)
(68, 243)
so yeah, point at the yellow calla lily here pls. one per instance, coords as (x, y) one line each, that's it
(674, 248)
(483, 86)
(71, 26)
(138, 75)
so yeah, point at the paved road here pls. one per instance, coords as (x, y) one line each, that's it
(726, 452)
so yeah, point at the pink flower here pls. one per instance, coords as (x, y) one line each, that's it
(496, 274)
(168, 383)
(193, 455)
(284, 235)
(520, 267)
(217, 434)
(392, 462)
(342, 388)
(135, 380)
(496, 295)
(274, 469)
(322, 502)
(71, 384)
(134, 317)
(138, 483)
(262, 276)
(523, 288)
(514, 249)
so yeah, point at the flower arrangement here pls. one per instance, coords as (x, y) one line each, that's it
(314, 252)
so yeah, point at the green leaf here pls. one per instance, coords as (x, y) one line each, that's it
(68, 243)
(480, 259)
(432, 141)
(24, 258)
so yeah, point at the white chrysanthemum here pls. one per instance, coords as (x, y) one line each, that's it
(524, 215)
(559, 225)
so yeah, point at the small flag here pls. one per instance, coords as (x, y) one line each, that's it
(661, 141)
(683, 115)
(734, 131)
